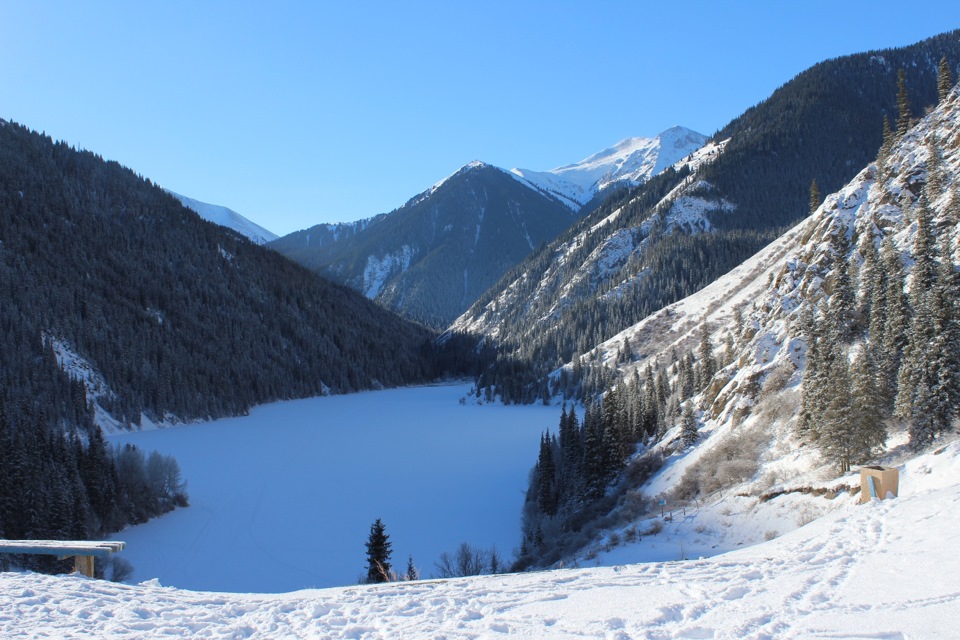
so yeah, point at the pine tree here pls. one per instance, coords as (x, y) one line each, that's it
(944, 79)
(946, 348)
(378, 553)
(872, 285)
(868, 433)
(546, 485)
(412, 572)
(935, 186)
(924, 252)
(903, 104)
(835, 432)
(897, 320)
(706, 362)
(594, 473)
(886, 146)
(841, 304)
(689, 433)
(815, 198)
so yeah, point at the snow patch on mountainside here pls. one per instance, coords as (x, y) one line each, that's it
(379, 269)
(227, 218)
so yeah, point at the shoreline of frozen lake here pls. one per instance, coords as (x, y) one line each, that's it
(283, 499)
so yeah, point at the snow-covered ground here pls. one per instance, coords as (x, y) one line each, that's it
(882, 570)
(283, 499)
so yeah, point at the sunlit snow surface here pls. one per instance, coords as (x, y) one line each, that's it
(882, 570)
(283, 499)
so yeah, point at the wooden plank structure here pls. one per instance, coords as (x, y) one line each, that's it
(82, 551)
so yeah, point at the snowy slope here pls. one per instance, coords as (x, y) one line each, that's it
(883, 570)
(227, 218)
(632, 161)
(753, 318)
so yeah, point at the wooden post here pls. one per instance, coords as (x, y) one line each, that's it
(84, 565)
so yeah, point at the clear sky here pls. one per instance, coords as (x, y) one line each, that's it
(294, 113)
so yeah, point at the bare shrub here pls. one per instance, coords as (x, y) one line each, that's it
(731, 461)
(655, 527)
(642, 467)
(777, 379)
(468, 561)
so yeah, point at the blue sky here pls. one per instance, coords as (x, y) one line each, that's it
(294, 113)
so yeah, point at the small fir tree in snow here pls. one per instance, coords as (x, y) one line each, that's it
(378, 553)
(689, 433)
(412, 572)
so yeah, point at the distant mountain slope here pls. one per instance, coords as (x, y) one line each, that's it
(630, 162)
(677, 233)
(180, 318)
(431, 258)
(227, 218)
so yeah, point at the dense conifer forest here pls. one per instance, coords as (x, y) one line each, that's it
(118, 303)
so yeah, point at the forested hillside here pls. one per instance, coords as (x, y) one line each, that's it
(180, 317)
(120, 304)
(671, 237)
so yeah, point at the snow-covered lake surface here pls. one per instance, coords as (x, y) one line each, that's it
(881, 570)
(283, 499)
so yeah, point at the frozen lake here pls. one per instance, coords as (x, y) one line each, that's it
(283, 499)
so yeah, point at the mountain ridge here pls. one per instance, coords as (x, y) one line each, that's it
(433, 273)
(227, 217)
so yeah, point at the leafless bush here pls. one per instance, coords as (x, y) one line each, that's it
(468, 561)
(731, 461)
(777, 379)
(655, 527)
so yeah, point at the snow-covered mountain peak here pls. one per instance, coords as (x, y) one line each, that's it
(632, 160)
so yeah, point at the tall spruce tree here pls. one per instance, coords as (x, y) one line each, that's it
(868, 432)
(842, 296)
(546, 485)
(379, 549)
(689, 433)
(706, 362)
(944, 79)
(904, 117)
(897, 321)
(815, 198)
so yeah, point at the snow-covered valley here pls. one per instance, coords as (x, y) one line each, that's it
(283, 499)
(881, 570)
